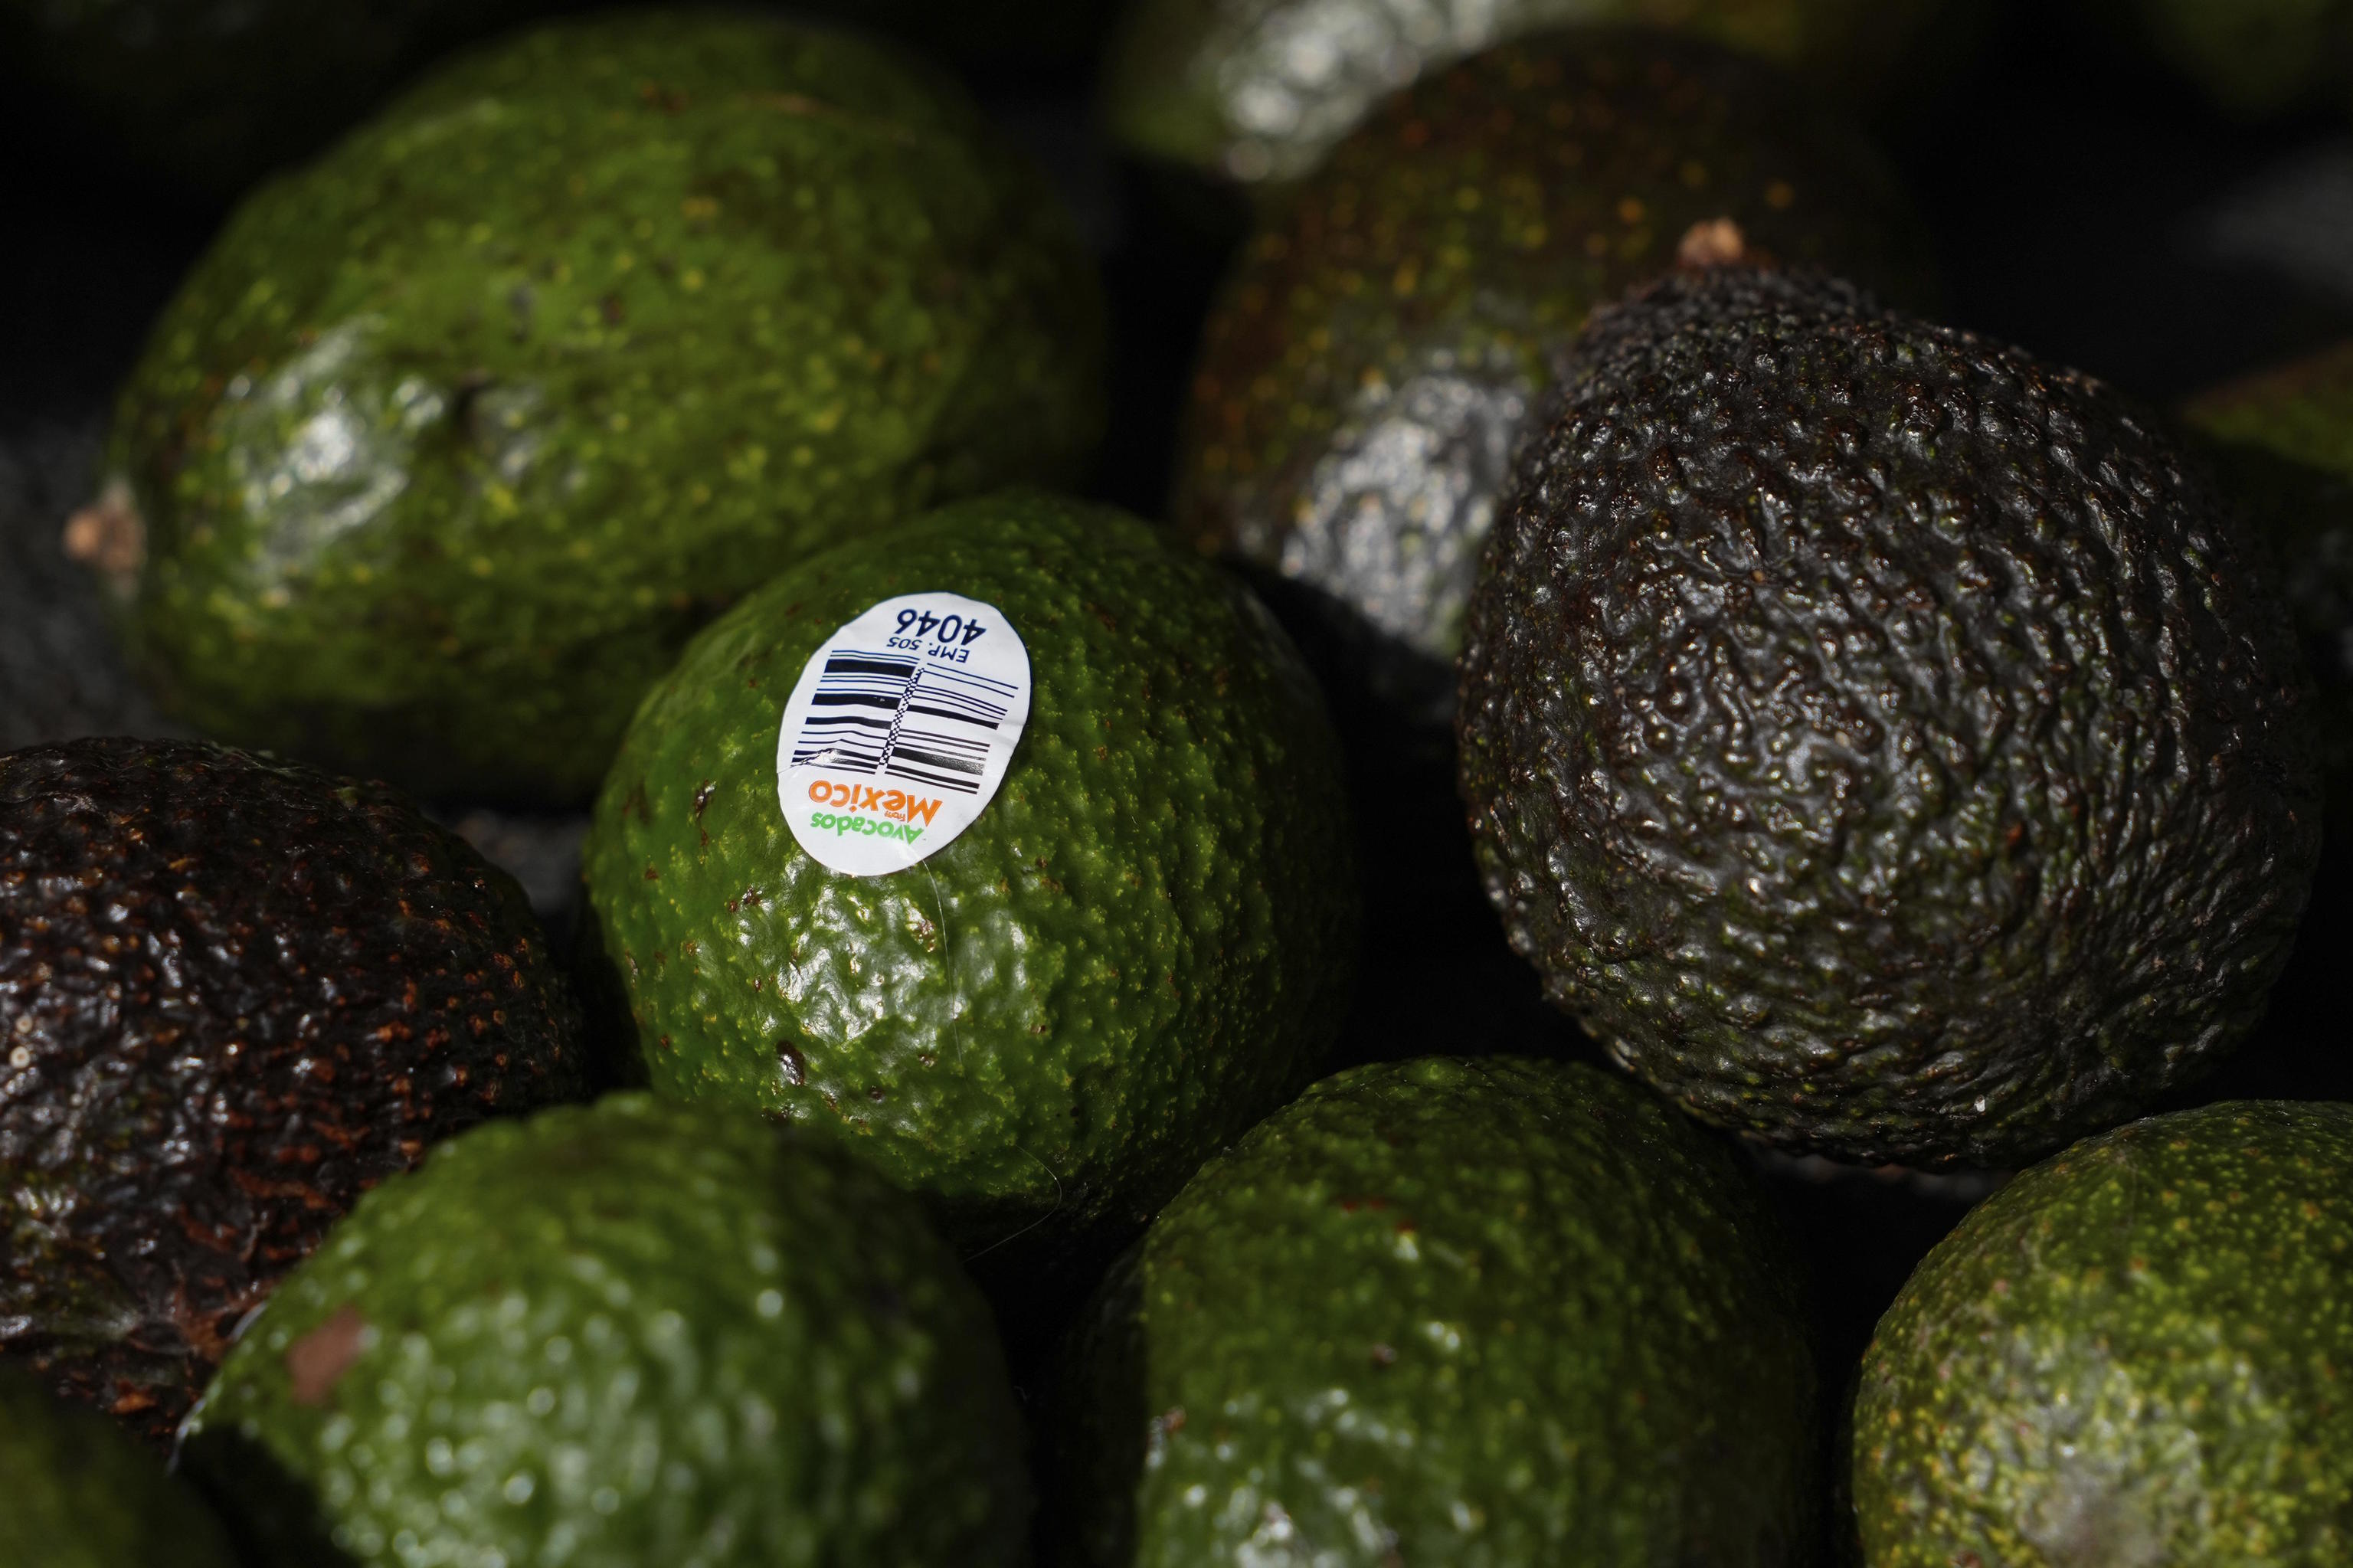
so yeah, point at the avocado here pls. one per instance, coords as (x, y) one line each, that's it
(1257, 92)
(234, 994)
(626, 1334)
(83, 1495)
(2284, 443)
(1483, 1312)
(1883, 742)
(1044, 1022)
(214, 95)
(1382, 345)
(2130, 1355)
(453, 439)
(2251, 57)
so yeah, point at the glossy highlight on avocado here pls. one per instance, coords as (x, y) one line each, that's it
(235, 994)
(1885, 743)
(618, 1335)
(454, 438)
(1142, 944)
(2132, 1355)
(1486, 1312)
(1381, 348)
(1258, 91)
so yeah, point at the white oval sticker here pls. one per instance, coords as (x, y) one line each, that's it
(900, 731)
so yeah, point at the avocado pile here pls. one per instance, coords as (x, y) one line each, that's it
(1001, 705)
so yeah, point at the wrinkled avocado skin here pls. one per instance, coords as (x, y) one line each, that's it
(83, 1495)
(2131, 1355)
(1258, 91)
(1885, 743)
(1142, 945)
(455, 437)
(233, 995)
(1380, 350)
(2284, 443)
(1486, 1312)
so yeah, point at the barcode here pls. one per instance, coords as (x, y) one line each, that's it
(893, 716)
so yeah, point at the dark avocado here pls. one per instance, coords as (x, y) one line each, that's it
(2282, 441)
(1490, 1312)
(1885, 743)
(234, 994)
(455, 437)
(79, 1494)
(2131, 1357)
(1380, 350)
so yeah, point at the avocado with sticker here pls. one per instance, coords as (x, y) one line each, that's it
(458, 435)
(1009, 850)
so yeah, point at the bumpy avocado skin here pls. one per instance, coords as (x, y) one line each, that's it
(1381, 348)
(1475, 1312)
(234, 994)
(2284, 443)
(454, 438)
(1141, 947)
(631, 1333)
(2132, 1354)
(1885, 744)
(217, 94)
(83, 1495)
(1259, 91)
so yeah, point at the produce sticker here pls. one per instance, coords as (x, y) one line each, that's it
(900, 730)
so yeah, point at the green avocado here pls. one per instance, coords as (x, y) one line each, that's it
(2284, 443)
(2251, 57)
(234, 994)
(1257, 92)
(2131, 1356)
(1141, 945)
(455, 438)
(81, 1494)
(629, 1334)
(1487, 1312)
(1883, 742)
(208, 92)
(1384, 341)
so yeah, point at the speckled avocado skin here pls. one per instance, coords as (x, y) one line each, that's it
(2133, 1356)
(234, 994)
(83, 1495)
(1142, 944)
(1379, 351)
(208, 93)
(1258, 91)
(632, 1333)
(1486, 1312)
(2284, 443)
(1885, 743)
(454, 438)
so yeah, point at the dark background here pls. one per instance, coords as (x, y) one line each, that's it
(2084, 204)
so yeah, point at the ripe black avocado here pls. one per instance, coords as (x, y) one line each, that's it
(1886, 743)
(234, 994)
